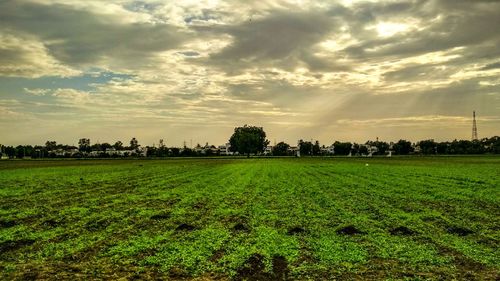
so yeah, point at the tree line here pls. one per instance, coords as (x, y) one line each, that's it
(251, 140)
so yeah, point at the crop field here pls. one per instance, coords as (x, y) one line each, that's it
(251, 219)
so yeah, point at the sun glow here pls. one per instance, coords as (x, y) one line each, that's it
(388, 29)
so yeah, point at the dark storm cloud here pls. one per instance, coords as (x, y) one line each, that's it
(277, 36)
(189, 54)
(80, 37)
(495, 65)
(418, 72)
(277, 91)
(358, 17)
(286, 38)
(11, 56)
(281, 39)
(450, 24)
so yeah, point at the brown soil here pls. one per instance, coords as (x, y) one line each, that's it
(254, 269)
(349, 230)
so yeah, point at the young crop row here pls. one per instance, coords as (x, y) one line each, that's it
(251, 218)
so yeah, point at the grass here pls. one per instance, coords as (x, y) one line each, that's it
(399, 218)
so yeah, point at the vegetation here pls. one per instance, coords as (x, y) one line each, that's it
(342, 148)
(281, 149)
(252, 140)
(248, 140)
(283, 218)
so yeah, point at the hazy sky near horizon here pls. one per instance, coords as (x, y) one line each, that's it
(195, 69)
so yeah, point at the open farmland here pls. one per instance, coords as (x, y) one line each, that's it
(416, 218)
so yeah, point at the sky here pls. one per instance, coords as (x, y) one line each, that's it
(193, 70)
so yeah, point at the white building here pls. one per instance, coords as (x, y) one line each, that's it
(225, 149)
(328, 149)
(294, 150)
(268, 150)
(371, 149)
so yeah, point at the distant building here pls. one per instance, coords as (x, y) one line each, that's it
(112, 151)
(268, 150)
(212, 149)
(143, 152)
(371, 150)
(199, 149)
(225, 149)
(417, 149)
(328, 150)
(294, 150)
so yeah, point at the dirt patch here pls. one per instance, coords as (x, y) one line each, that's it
(239, 224)
(30, 275)
(97, 224)
(254, 269)
(390, 269)
(489, 242)
(280, 268)
(468, 269)
(87, 271)
(217, 255)
(63, 237)
(199, 205)
(296, 230)
(349, 230)
(160, 217)
(15, 245)
(178, 273)
(240, 227)
(50, 223)
(185, 227)
(7, 223)
(402, 231)
(235, 219)
(458, 230)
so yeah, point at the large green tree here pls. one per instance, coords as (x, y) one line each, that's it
(428, 146)
(118, 145)
(248, 140)
(50, 145)
(134, 144)
(305, 147)
(316, 148)
(281, 149)
(342, 148)
(84, 145)
(402, 147)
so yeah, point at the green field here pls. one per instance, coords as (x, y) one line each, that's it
(398, 218)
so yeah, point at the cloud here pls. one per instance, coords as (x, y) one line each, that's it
(491, 66)
(83, 37)
(72, 95)
(24, 56)
(196, 69)
(281, 39)
(414, 72)
(37, 92)
(445, 25)
(423, 120)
